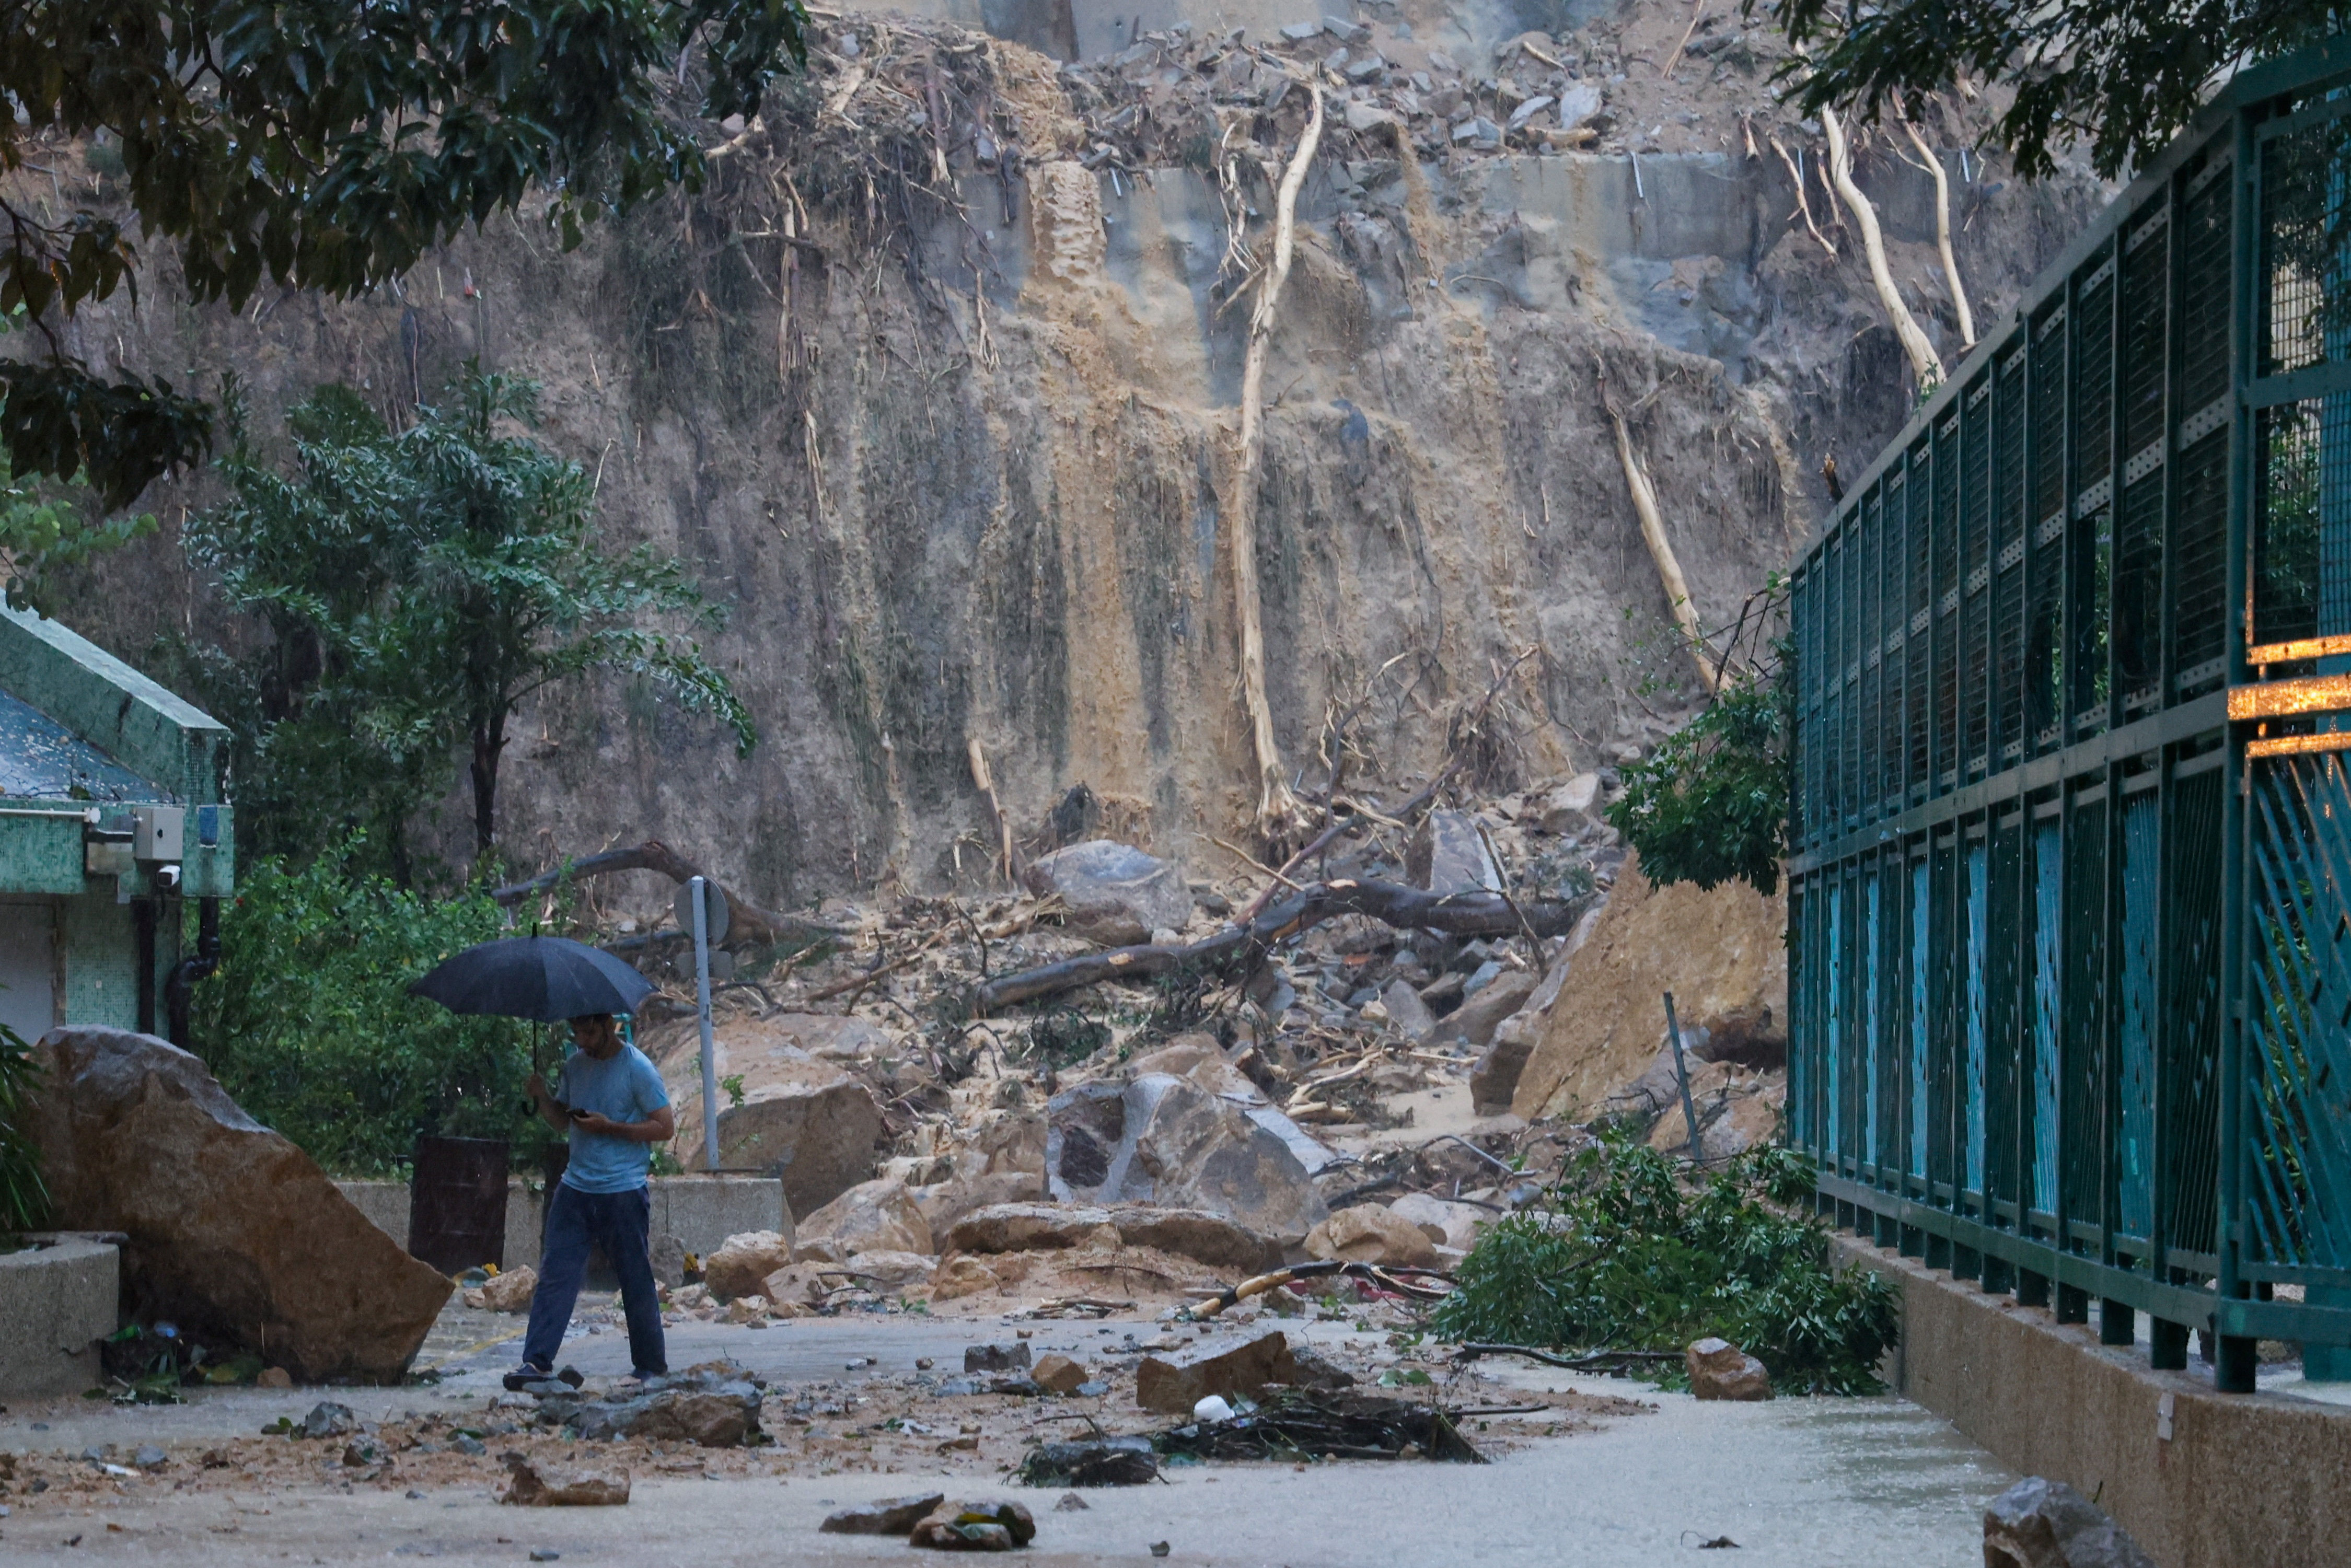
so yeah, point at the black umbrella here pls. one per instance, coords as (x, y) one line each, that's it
(548, 978)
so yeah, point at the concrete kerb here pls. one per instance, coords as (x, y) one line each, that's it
(2202, 1480)
(701, 1211)
(57, 1299)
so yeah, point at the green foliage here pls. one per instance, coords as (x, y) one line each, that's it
(325, 147)
(309, 1025)
(1710, 803)
(1621, 1255)
(1064, 1037)
(418, 586)
(2124, 74)
(46, 527)
(24, 1196)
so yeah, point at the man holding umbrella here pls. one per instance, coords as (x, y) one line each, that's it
(612, 1105)
(615, 1109)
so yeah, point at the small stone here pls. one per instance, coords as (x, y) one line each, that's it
(996, 1357)
(532, 1484)
(329, 1419)
(1720, 1370)
(544, 1554)
(469, 1445)
(2038, 1522)
(148, 1457)
(509, 1291)
(1058, 1374)
(1071, 1503)
(1160, 1549)
(1407, 1012)
(883, 1516)
(274, 1378)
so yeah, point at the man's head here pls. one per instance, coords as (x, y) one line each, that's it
(597, 1034)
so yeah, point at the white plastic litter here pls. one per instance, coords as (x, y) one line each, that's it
(1212, 1408)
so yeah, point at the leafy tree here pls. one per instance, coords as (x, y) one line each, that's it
(1620, 1254)
(308, 1025)
(322, 145)
(2125, 75)
(418, 586)
(1710, 804)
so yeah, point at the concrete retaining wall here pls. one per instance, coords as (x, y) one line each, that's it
(57, 1302)
(2202, 1480)
(701, 1211)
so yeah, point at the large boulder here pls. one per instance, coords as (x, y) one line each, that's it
(803, 1118)
(1475, 1020)
(1115, 893)
(1032, 1227)
(232, 1231)
(1166, 1141)
(1723, 954)
(878, 1216)
(1204, 1238)
(1366, 1233)
(742, 1263)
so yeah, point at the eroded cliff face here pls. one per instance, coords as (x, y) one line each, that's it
(955, 445)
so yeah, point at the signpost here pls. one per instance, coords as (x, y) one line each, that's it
(701, 909)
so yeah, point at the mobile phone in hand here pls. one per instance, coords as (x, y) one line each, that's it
(575, 1111)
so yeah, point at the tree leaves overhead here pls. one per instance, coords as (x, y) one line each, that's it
(320, 145)
(418, 587)
(2122, 75)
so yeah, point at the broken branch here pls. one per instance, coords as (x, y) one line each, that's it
(748, 918)
(1661, 549)
(1803, 202)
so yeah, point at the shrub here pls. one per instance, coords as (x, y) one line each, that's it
(309, 1024)
(1622, 1255)
(24, 1198)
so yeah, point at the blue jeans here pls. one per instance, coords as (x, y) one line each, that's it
(618, 1220)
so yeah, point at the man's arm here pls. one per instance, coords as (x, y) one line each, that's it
(659, 1128)
(549, 1110)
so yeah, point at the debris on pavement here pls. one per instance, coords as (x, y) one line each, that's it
(538, 1484)
(883, 1516)
(976, 1527)
(2041, 1523)
(1296, 1423)
(1125, 1461)
(1720, 1370)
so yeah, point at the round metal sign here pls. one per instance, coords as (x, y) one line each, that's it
(714, 910)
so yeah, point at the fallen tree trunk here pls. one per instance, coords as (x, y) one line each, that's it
(1236, 946)
(1279, 817)
(747, 918)
(1661, 550)
(1925, 363)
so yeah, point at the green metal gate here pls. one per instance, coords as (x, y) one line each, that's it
(2070, 895)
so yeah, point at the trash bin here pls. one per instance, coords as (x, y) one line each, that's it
(457, 1203)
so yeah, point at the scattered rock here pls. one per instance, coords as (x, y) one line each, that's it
(976, 1527)
(878, 1216)
(1407, 1012)
(715, 1406)
(147, 1457)
(1368, 1233)
(1574, 806)
(742, 1263)
(1175, 1385)
(1475, 1020)
(888, 1270)
(1720, 1370)
(1204, 1238)
(669, 1261)
(1058, 1374)
(1454, 1225)
(536, 1483)
(883, 1516)
(1446, 854)
(1072, 1503)
(232, 1232)
(329, 1419)
(1116, 894)
(274, 1378)
(959, 1277)
(2041, 1523)
(510, 1292)
(1013, 1357)
(1032, 1227)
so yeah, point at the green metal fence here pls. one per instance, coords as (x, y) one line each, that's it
(2070, 895)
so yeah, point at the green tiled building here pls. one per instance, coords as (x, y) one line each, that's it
(112, 822)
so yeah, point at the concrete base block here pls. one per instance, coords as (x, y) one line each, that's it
(58, 1299)
(2202, 1480)
(701, 1211)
